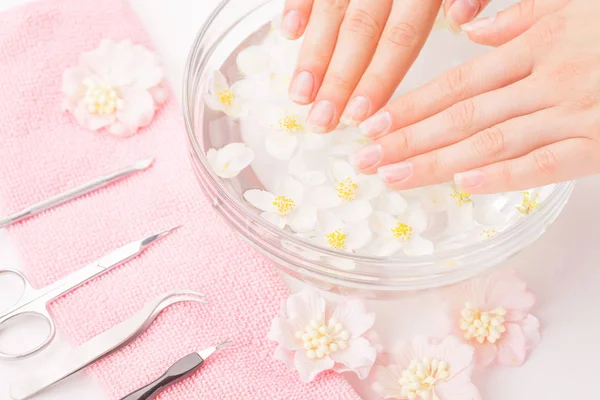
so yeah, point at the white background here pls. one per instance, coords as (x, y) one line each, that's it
(561, 268)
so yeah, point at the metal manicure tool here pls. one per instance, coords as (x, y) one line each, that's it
(100, 346)
(35, 301)
(177, 372)
(74, 193)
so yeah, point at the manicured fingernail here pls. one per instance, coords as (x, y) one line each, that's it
(290, 25)
(478, 24)
(369, 156)
(302, 87)
(468, 180)
(377, 125)
(395, 172)
(462, 11)
(356, 111)
(320, 116)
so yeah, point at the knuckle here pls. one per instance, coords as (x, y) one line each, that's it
(488, 143)
(336, 82)
(457, 82)
(584, 102)
(545, 161)
(333, 5)
(546, 33)
(363, 23)
(402, 34)
(461, 115)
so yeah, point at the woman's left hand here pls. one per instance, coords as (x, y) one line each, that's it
(526, 114)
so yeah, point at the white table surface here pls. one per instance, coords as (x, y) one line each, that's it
(561, 268)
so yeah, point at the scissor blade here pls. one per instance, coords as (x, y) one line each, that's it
(131, 250)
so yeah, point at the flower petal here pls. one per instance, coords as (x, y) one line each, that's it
(359, 235)
(392, 203)
(512, 346)
(324, 197)
(353, 315)
(260, 199)
(452, 350)
(531, 329)
(274, 219)
(507, 290)
(485, 353)
(253, 60)
(382, 223)
(457, 389)
(354, 211)
(138, 109)
(387, 382)
(306, 305)
(385, 247)
(72, 80)
(328, 221)
(417, 246)
(218, 82)
(291, 188)
(313, 141)
(360, 353)
(460, 219)
(369, 187)
(281, 145)
(341, 170)
(303, 219)
(121, 130)
(309, 369)
(286, 356)
(89, 121)
(418, 220)
(283, 333)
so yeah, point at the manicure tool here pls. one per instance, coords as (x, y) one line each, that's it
(100, 346)
(75, 192)
(35, 302)
(177, 372)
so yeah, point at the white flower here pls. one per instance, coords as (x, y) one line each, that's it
(285, 208)
(458, 204)
(333, 233)
(401, 233)
(312, 339)
(222, 97)
(351, 195)
(302, 168)
(348, 141)
(230, 160)
(117, 86)
(391, 202)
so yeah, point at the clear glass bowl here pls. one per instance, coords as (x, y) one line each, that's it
(235, 24)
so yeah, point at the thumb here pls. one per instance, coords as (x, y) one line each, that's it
(510, 23)
(459, 12)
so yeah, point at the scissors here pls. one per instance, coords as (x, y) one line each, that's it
(35, 301)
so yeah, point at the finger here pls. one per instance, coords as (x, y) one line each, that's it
(357, 41)
(456, 123)
(459, 12)
(317, 48)
(405, 33)
(558, 162)
(295, 18)
(510, 23)
(504, 141)
(498, 68)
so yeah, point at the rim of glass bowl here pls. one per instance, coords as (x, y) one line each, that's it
(194, 67)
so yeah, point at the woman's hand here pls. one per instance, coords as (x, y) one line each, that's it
(356, 52)
(525, 114)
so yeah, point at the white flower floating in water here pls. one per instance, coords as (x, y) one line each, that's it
(314, 338)
(428, 370)
(117, 86)
(401, 233)
(222, 97)
(229, 161)
(335, 234)
(285, 208)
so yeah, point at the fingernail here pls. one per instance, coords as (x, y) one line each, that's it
(302, 87)
(321, 116)
(462, 11)
(290, 24)
(478, 24)
(468, 180)
(395, 172)
(377, 125)
(356, 111)
(369, 156)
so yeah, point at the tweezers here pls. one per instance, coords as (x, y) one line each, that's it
(74, 193)
(102, 345)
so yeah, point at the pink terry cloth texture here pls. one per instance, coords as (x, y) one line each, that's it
(43, 152)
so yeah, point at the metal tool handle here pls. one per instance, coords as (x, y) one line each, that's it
(178, 371)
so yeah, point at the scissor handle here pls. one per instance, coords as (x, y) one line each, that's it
(26, 305)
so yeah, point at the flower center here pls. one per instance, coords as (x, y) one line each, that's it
(402, 231)
(419, 379)
(226, 97)
(488, 233)
(347, 189)
(101, 99)
(336, 239)
(320, 339)
(284, 205)
(290, 124)
(482, 326)
(461, 197)
(529, 203)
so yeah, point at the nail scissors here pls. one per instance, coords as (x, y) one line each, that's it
(35, 301)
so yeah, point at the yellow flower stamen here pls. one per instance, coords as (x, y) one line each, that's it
(461, 197)
(419, 379)
(290, 124)
(336, 239)
(488, 233)
(226, 97)
(320, 338)
(347, 189)
(402, 231)
(529, 203)
(482, 326)
(101, 99)
(284, 205)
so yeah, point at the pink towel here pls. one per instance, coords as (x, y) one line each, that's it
(43, 151)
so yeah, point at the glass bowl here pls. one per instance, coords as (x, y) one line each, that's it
(236, 24)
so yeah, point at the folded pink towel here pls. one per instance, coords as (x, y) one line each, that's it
(43, 151)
